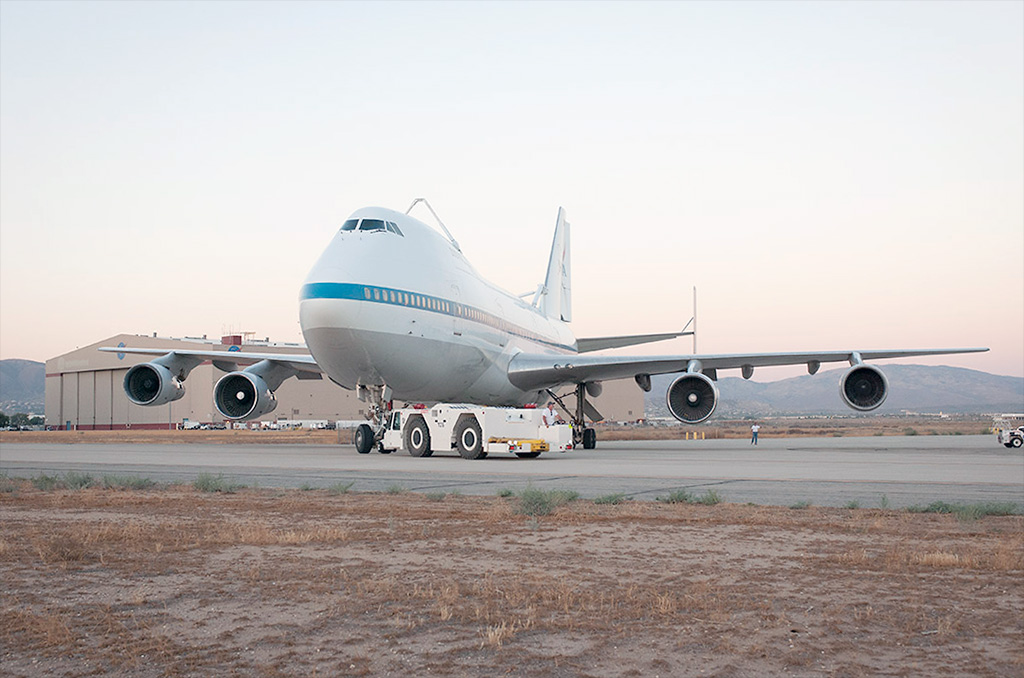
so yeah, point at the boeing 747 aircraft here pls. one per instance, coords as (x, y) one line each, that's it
(393, 310)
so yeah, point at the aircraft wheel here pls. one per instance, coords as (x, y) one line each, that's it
(417, 437)
(363, 439)
(1017, 442)
(589, 439)
(469, 438)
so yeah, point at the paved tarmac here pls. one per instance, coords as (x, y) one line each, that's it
(876, 471)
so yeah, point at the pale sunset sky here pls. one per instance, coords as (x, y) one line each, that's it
(830, 175)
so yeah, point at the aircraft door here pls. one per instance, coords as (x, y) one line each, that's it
(456, 314)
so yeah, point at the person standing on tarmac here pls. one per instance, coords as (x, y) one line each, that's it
(753, 433)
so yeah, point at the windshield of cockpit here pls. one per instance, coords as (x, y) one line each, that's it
(371, 225)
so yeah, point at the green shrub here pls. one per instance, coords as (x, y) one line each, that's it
(340, 488)
(46, 483)
(207, 482)
(616, 498)
(968, 511)
(127, 483)
(534, 502)
(800, 505)
(78, 481)
(852, 504)
(709, 498)
(677, 497)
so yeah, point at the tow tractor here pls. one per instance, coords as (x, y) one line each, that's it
(474, 431)
(1009, 429)
(1012, 437)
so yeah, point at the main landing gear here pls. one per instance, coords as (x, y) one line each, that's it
(581, 435)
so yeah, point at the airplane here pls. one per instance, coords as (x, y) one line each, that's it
(393, 310)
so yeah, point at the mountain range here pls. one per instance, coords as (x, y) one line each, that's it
(22, 386)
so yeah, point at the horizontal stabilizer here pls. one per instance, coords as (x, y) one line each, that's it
(589, 344)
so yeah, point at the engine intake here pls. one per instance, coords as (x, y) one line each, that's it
(152, 384)
(692, 398)
(864, 387)
(243, 395)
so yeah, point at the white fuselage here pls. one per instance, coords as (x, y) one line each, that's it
(404, 308)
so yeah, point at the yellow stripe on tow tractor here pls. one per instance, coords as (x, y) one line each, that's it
(535, 445)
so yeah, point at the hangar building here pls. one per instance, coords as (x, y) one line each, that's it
(84, 389)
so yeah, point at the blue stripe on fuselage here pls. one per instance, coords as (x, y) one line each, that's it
(424, 302)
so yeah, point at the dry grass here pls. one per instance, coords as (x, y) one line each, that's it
(180, 582)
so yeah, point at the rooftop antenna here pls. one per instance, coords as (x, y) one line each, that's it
(440, 223)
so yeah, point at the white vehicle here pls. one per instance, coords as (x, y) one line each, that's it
(395, 311)
(1009, 429)
(472, 430)
(1012, 437)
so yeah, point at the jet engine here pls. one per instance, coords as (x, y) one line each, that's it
(864, 387)
(152, 384)
(692, 398)
(243, 395)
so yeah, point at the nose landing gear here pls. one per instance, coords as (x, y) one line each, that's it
(367, 436)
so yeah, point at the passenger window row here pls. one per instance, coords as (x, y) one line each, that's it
(450, 308)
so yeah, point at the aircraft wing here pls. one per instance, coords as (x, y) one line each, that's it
(536, 371)
(229, 361)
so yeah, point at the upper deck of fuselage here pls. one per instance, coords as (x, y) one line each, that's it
(382, 256)
(375, 245)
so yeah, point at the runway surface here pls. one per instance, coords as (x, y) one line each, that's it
(877, 471)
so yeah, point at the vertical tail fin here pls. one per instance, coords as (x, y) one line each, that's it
(556, 295)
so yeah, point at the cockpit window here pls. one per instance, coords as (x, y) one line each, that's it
(372, 225)
(393, 227)
(350, 225)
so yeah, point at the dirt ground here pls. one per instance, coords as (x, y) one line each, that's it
(177, 582)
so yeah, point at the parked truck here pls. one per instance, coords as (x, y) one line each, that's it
(472, 430)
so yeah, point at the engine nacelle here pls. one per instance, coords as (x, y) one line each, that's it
(152, 384)
(243, 395)
(692, 398)
(864, 387)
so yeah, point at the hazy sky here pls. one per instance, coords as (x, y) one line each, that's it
(830, 175)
